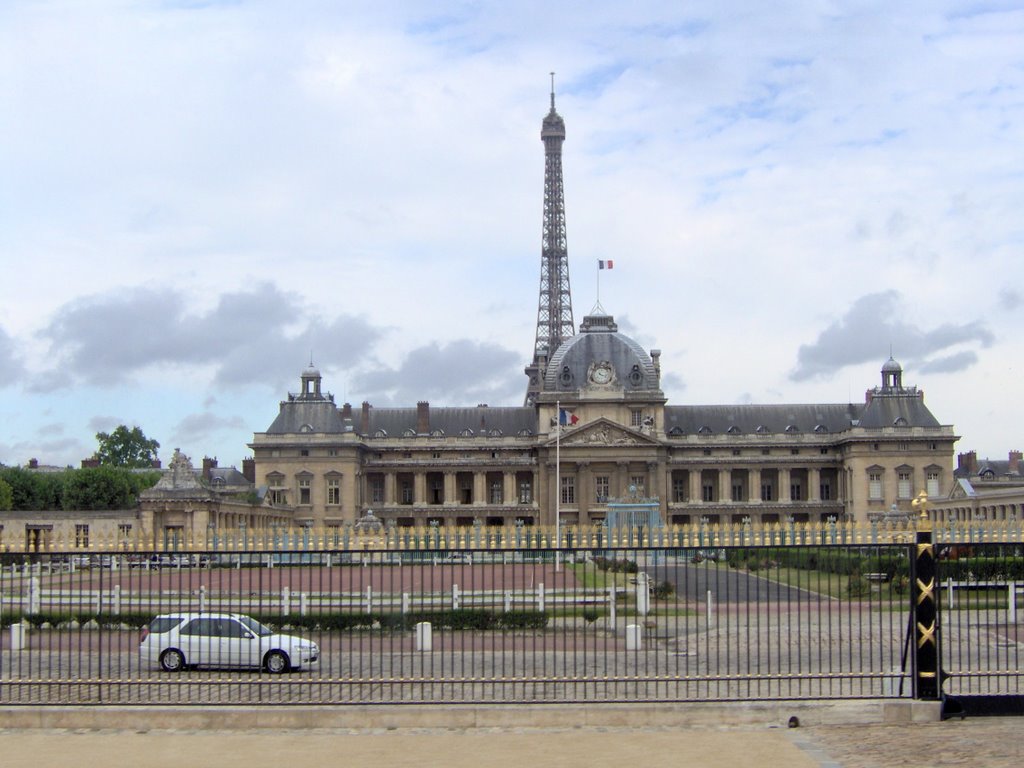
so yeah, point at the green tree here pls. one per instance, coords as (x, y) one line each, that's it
(126, 447)
(98, 488)
(6, 495)
(33, 491)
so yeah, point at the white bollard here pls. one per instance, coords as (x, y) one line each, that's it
(115, 600)
(424, 637)
(634, 637)
(540, 596)
(508, 602)
(369, 599)
(303, 603)
(456, 601)
(34, 600)
(17, 636)
(611, 605)
(286, 600)
(202, 598)
(643, 594)
(709, 608)
(405, 603)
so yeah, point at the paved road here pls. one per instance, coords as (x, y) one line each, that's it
(728, 585)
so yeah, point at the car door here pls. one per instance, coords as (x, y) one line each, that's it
(201, 642)
(241, 647)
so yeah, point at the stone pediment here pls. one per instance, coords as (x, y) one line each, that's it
(962, 489)
(604, 432)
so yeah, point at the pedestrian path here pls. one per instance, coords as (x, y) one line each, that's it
(988, 742)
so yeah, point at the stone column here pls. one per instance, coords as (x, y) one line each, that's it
(419, 488)
(813, 484)
(754, 485)
(621, 479)
(784, 480)
(509, 492)
(694, 478)
(449, 487)
(390, 486)
(480, 490)
(655, 482)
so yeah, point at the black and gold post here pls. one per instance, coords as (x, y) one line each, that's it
(927, 683)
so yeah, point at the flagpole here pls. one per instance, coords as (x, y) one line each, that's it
(558, 485)
(598, 282)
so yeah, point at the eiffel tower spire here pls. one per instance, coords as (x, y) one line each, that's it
(554, 312)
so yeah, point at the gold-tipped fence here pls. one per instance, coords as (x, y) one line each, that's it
(478, 537)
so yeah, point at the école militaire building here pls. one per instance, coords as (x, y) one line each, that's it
(595, 427)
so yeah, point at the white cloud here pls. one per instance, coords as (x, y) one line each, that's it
(201, 194)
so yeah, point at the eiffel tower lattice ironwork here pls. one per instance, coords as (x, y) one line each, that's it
(554, 312)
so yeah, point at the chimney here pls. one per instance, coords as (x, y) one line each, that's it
(364, 422)
(422, 417)
(156, 464)
(1015, 457)
(346, 411)
(90, 463)
(249, 470)
(33, 463)
(208, 464)
(968, 462)
(656, 359)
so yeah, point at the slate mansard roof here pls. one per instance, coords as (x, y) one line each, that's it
(475, 421)
(759, 419)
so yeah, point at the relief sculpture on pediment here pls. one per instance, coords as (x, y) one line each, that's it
(602, 435)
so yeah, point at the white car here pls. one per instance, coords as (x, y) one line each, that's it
(176, 641)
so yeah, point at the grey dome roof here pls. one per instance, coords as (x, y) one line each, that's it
(599, 341)
(891, 366)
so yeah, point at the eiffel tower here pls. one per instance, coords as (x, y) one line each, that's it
(554, 311)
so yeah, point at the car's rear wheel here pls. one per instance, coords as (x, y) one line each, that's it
(277, 662)
(172, 660)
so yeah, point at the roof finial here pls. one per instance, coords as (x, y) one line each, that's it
(552, 91)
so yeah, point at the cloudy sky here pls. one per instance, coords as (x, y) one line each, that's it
(197, 197)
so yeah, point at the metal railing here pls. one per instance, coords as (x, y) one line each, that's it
(349, 537)
(467, 624)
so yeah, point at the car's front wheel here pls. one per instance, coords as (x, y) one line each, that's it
(172, 660)
(277, 662)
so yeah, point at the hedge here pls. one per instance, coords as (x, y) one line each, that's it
(463, 619)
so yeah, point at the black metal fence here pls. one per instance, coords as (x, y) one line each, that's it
(501, 625)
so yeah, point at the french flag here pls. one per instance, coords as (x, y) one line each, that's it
(605, 264)
(565, 418)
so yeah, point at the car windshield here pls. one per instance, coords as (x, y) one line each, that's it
(255, 626)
